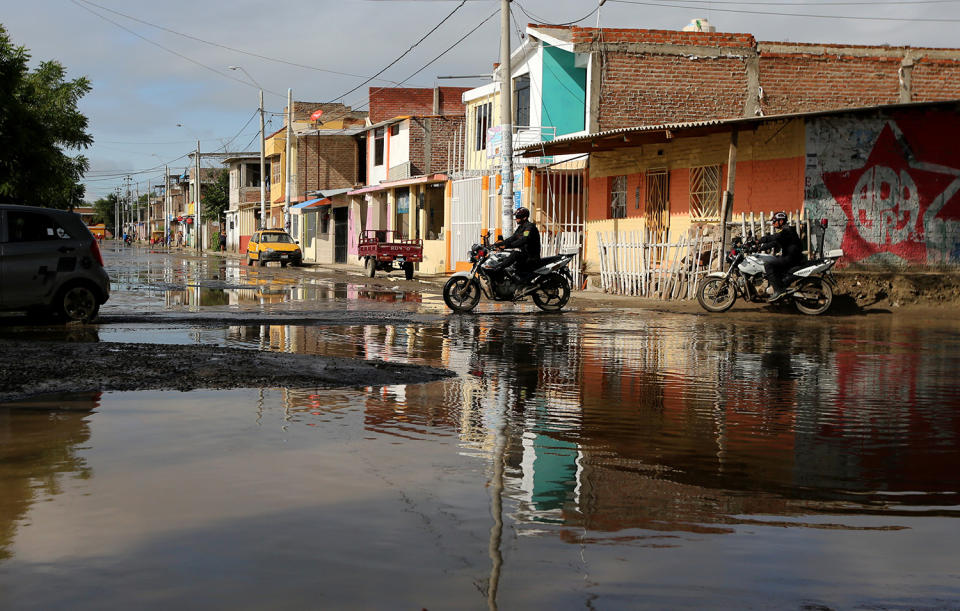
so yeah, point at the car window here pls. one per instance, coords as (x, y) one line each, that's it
(255, 238)
(277, 238)
(26, 226)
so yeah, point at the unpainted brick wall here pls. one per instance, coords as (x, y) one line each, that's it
(395, 102)
(326, 162)
(650, 89)
(805, 83)
(666, 76)
(442, 131)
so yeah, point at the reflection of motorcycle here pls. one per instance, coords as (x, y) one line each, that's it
(809, 285)
(549, 284)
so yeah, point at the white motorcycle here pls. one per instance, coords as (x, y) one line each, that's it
(809, 285)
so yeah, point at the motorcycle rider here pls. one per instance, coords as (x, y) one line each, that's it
(785, 239)
(526, 241)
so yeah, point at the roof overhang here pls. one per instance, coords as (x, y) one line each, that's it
(660, 134)
(387, 185)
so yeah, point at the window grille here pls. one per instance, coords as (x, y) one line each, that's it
(705, 193)
(657, 209)
(481, 124)
(618, 197)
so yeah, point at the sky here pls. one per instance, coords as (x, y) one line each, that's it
(161, 77)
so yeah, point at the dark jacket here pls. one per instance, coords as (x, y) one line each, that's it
(526, 239)
(786, 241)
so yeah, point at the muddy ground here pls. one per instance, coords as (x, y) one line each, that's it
(30, 368)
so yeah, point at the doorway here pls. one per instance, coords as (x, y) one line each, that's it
(340, 235)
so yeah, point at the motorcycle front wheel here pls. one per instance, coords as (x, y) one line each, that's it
(461, 294)
(553, 294)
(716, 295)
(813, 297)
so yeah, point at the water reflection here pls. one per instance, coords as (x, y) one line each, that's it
(192, 283)
(703, 421)
(40, 441)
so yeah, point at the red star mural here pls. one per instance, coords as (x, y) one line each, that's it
(885, 201)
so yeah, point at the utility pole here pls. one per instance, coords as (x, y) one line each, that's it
(263, 170)
(506, 119)
(166, 206)
(286, 190)
(116, 212)
(197, 232)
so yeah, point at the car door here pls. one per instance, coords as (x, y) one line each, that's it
(37, 249)
(252, 245)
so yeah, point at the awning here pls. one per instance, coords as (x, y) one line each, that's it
(306, 204)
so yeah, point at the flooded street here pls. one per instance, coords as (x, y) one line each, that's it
(602, 458)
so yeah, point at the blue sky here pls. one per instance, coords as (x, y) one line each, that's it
(156, 91)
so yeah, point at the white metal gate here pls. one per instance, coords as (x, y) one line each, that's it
(465, 206)
(563, 197)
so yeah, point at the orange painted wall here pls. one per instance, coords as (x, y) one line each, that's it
(761, 187)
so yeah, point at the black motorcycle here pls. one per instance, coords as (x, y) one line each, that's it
(549, 284)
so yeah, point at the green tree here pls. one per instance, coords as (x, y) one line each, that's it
(105, 211)
(38, 120)
(216, 199)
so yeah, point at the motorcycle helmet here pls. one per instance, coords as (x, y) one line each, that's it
(521, 214)
(779, 218)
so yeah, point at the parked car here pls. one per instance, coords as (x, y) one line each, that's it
(273, 245)
(50, 263)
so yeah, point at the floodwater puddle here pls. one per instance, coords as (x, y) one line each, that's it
(607, 460)
(618, 459)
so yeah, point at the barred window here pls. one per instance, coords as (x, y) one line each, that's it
(481, 123)
(705, 193)
(618, 197)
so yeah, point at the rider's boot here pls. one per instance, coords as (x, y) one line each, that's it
(777, 285)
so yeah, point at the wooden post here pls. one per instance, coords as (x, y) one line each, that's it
(727, 204)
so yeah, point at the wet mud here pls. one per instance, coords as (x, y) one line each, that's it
(33, 368)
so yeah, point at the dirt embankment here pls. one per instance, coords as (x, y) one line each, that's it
(899, 289)
(31, 368)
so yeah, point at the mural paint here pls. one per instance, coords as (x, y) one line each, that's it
(889, 185)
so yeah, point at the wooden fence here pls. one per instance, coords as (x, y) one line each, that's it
(635, 264)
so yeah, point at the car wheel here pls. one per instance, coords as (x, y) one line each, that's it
(261, 262)
(283, 264)
(78, 303)
(249, 261)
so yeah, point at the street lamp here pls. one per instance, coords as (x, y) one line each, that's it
(263, 169)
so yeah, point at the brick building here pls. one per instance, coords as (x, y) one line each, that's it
(886, 177)
(408, 151)
(648, 77)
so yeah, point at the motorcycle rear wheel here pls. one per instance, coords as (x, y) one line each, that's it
(461, 294)
(553, 294)
(716, 295)
(814, 297)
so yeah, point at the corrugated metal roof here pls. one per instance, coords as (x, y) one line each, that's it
(698, 125)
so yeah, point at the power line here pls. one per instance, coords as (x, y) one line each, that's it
(167, 49)
(776, 14)
(222, 46)
(546, 22)
(816, 4)
(405, 53)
